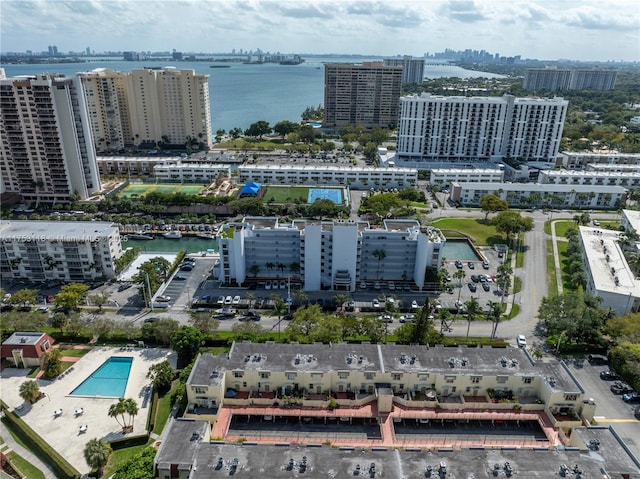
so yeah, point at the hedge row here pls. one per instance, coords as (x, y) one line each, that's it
(39, 446)
(151, 418)
(131, 441)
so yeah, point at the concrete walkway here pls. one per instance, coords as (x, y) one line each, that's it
(556, 257)
(12, 445)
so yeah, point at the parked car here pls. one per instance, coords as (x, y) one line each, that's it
(472, 287)
(124, 286)
(475, 278)
(458, 264)
(609, 375)
(486, 286)
(620, 388)
(521, 340)
(186, 267)
(598, 359)
(236, 299)
(180, 277)
(228, 300)
(414, 304)
(375, 303)
(485, 264)
(631, 398)
(363, 285)
(392, 285)
(163, 299)
(220, 300)
(376, 285)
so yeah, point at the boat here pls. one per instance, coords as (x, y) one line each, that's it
(219, 66)
(206, 236)
(173, 235)
(140, 235)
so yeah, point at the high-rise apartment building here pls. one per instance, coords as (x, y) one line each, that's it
(147, 106)
(454, 128)
(412, 68)
(46, 149)
(558, 79)
(361, 95)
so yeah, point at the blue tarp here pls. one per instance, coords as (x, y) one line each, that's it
(250, 189)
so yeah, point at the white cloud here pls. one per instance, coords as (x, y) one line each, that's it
(546, 29)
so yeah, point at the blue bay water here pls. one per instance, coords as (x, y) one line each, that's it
(245, 93)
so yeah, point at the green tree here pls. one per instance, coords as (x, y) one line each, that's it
(100, 299)
(186, 341)
(491, 204)
(126, 409)
(323, 208)
(259, 129)
(473, 309)
(53, 364)
(30, 391)
(24, 297)
(576, 314)
(511, 223)
(71, 296)
(60, 320)
(203, 322)
(307, 134)
(96, 453)
(247, 331)
(140, 466)
(285, 127)
(161, 375)
(380, 255)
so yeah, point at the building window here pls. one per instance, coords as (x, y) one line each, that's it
(291, 375)
(369, 375)
(501, 379)
(343, 375)
(476, 379)
(238, 374)
(423, 377)
(570, 397)
(527, 380)
(199, 390)
(396, 377)
(265, 375)
(449, 379)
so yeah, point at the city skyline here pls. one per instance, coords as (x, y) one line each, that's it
(587, 30)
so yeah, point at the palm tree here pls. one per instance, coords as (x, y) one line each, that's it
(96, 453)
(270, 265)
(459, 275)
(118, 409)
(30, 391)
(254, 270)
(494, 314)
(131, 408)
(473, 309)
(380, 255)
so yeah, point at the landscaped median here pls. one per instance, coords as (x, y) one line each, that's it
(62, 468)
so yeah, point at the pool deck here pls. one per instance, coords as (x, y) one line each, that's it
(63, 432)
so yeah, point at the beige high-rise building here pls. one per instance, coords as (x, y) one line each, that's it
(365, 95)
(145, 107)
(46, 148)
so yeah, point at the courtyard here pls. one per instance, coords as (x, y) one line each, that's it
(67, 422)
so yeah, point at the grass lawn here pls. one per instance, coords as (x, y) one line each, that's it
(563, 226)
(479, 230)
(74, 353)
(164, 409)
(284, 194)
(26, 468)
(17, 438)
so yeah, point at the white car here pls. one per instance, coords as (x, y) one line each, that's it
(236, 299)
(363, 285)
(163, 299)
(228, 300)
(392, 285)
(267, 285)
(414, 304)
(521, 340)
(376, 303)
(376, 285)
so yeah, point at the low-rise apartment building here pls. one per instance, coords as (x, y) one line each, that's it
(442, 176)
(58, 250)
(328, 254)
(538, 194)
(608, 274)
(190, 172)
(580, 160)
(597, 176)
(409, 377)
(356, 178)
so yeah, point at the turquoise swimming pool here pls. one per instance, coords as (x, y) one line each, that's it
(109, 380)
(460, 250)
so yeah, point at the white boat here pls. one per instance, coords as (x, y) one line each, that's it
(173, 235)
(139, 236)
(206, 236)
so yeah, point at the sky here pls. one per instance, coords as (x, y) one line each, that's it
(585, 30)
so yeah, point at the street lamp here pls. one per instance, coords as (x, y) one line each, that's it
(559, 339)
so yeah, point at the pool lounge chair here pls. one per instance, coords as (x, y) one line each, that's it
(83, 429)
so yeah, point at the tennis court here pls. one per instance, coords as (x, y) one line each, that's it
(139, 189)
(332, 194)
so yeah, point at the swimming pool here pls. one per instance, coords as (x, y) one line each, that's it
(460, 250)
(109, 380)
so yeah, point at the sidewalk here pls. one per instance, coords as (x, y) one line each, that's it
(22, 452)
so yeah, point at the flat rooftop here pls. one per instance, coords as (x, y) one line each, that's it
(180, 446)
(376, 358)
(23, 230)
(539, 187)
(609, 269)
(633, 217)
(20, 338)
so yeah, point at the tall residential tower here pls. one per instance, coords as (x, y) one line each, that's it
(147, 106)
(46, 149)
(361, 95)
